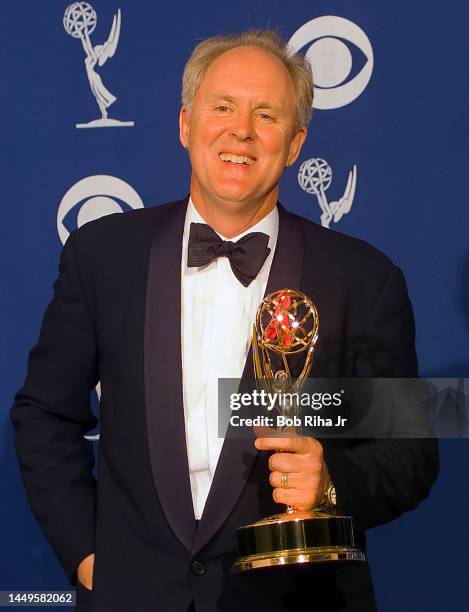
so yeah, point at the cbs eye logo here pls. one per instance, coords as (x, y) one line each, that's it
(331, 59)
(96, 196)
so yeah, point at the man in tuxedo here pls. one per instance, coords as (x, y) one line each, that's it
(157, 304)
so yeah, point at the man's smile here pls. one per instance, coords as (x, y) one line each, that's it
(236, 159)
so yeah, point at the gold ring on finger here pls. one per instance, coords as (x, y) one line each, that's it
(284, 480)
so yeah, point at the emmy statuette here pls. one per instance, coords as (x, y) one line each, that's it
(287, 324)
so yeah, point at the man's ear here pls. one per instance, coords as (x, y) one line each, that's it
(184, 129)
(295, 146)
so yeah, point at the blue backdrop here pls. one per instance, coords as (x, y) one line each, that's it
(393, 104)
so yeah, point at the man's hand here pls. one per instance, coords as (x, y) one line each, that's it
(85, 572)
(302, 459)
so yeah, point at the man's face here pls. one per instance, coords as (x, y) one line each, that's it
(240, 130)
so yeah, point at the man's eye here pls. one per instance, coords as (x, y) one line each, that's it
(222, 108)
(265, 116)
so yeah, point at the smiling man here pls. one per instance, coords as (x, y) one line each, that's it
(241, 129)
(157, 305)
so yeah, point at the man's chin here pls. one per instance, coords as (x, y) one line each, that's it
(232, 198)
(238, 203)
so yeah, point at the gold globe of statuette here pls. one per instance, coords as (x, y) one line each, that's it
(287, 323)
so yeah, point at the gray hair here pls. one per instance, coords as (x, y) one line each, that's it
(207, 51)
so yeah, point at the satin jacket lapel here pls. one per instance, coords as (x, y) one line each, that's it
(238, 455)
(163, 376)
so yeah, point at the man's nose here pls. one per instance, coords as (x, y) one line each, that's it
(242, 126)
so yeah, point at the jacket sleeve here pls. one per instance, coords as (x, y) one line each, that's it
(376, 480)
(51, 414)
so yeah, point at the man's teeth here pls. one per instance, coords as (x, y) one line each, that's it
(236, 159)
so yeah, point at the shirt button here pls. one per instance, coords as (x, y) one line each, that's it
(198, 568)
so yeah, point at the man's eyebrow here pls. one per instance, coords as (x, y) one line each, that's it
(221, 96)
(261, 104)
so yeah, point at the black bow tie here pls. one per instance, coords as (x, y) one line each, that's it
(246, 255)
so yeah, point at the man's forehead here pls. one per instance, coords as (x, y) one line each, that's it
(242, 70)
(248, 61)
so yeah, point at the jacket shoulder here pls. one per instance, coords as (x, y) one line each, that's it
(341, 253)
(131, 223)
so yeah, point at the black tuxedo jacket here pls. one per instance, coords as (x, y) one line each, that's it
(115, 317)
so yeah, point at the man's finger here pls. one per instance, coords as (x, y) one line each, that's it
(294, 497)
(286, 462)
(262, 431)
(295, 480)
(300, 444)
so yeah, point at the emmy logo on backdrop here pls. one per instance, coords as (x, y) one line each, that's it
(315, 176)
(79, 22)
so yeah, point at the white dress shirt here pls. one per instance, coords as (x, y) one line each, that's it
(218, 313)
